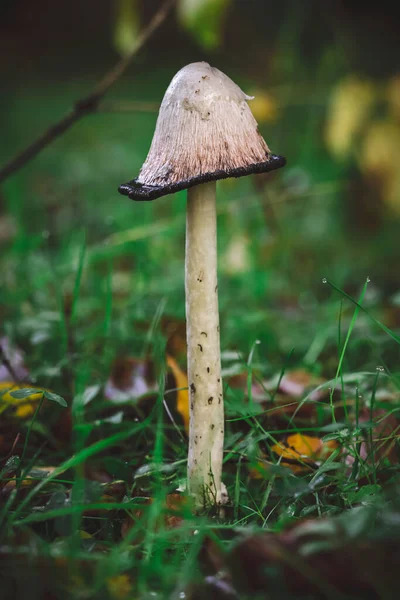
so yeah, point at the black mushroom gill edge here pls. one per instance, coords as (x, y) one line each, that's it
(138, 191)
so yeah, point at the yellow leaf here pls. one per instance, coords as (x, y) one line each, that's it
(351, 104)
(393, 96)
(304, 449)
(182, 395)
(23, 407)
(263, 106)
(379, 157)
(119, 587)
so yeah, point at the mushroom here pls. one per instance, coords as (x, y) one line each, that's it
(205, 131)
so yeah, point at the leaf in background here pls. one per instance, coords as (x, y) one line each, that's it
(203, 19)
(379, 159)
(126, 26)
(393, 96)
(263, 106)
(351, 105)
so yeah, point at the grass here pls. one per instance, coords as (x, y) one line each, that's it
(87, 278)
(110, 546)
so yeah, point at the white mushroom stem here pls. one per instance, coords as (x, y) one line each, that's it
(206, 431)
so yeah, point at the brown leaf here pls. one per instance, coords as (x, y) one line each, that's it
(30, 479)
(298, 383)
(175, 332)
(134, 379)
(130, 379)
(12, 363)
(174, 510)
(385, 435)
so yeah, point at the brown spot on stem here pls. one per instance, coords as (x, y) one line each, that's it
(210, 400)
(201, 347)
(208, 369)
(203, 333)
(192, 388)
(212, 426)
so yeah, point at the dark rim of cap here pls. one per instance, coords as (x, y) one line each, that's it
(140, 191)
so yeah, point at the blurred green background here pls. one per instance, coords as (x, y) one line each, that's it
(326, 81)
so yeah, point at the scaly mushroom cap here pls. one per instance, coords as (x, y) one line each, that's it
(205, 131)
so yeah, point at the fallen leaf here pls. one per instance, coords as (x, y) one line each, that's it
(174, 510)
(299, 382)
(23, 407)
(130, 379)
(13, 357)
(382, 445)
(175, 333)
(300, 452)
(119, 587)
(134, 379)
(182, 394)
(35, 474)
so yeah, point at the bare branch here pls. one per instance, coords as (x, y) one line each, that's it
(90, 103)
(128, 107)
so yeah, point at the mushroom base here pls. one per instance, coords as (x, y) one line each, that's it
(206, 430)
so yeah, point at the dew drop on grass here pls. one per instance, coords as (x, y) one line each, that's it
(368, 279)
(324, 280)
(380, 369)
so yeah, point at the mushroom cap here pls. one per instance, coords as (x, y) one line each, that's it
(205, 131)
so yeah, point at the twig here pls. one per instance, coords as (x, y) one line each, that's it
(89, 104)
(128, 107)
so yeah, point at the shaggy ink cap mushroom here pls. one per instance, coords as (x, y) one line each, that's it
(205, 131)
